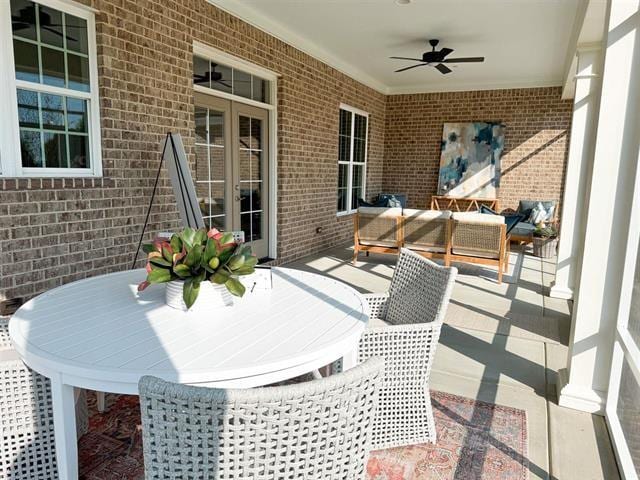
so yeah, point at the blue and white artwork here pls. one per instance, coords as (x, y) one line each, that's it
(470, 159)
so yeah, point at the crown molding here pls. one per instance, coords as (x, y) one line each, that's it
(259, 21)
(473, 86)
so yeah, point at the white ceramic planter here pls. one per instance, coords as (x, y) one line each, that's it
(211, 296)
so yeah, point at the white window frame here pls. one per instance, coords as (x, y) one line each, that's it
(10, 155)
(351, 163)
(213, 54)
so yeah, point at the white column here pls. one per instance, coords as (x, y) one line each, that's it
(574, 202)
(583, 385)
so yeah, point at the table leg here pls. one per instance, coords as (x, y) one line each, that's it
(349, 360)
(64, 424)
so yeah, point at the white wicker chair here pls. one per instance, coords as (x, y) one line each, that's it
(27, 443)
(404, 330)
(315, 430)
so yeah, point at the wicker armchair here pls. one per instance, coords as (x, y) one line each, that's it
(404, 330)
(27, 442)
(315, 430)
(480, 238)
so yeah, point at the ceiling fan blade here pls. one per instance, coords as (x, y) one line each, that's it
(464, 60)
(446, 51)
(412, 66)
(442, 68)
(407, 58)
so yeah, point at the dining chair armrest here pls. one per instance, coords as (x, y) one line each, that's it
(377, 304)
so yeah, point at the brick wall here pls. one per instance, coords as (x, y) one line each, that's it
(536, 140)
(56, 231)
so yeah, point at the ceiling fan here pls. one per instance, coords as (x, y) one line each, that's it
(210, 76)
(437, 59)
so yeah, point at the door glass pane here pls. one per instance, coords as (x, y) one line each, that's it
(201, 125)
(634, 314)
(250, 174)
(244, 132)
(217, 198)
(256, 134)
(628, 411)
(216, 160)
(202, 163)
(202, 192)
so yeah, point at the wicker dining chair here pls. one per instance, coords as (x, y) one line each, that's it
(27, 442)
(314, 430)
(404, 330)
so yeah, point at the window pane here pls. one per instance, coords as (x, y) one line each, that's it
(241, 83)
(355, 196)
(360, 127)
(76, 115)
(216, 128)
(217, 163)
(343, 176)
(201, 125)
(358, 150)
(259, 91)
(217, 199)
(345, 122)
(78, 68)
(52, 111)
(358, 176)
(221, 77)
(256, 133)
(77, 34)
(628, 410)
(51, 31)
(79, 151)
(30, 148)
(202, 167)
(26, 61)
(55, 150)
(28, 113)
(201, 72)
(52, 66)
(342, 199)
(344, 148)
(23, 18)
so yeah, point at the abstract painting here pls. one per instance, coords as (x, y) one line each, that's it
(470, 159)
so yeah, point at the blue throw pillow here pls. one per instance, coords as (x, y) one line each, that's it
(511, 219)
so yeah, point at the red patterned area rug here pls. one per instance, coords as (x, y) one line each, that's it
(476, 441)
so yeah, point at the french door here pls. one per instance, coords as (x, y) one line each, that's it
(232, 165)
(623, 401)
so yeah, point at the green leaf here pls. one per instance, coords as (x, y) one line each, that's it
(214, 263)
(244, 270)
(220, 277)
(167, 253)
(200, 236)
(235, 287)
(210, 250)
(227, 237)
(251, 261)
(176, 243)
(148, 248)
(235, 262)
(161, 262)
(225, 255)
(193, 256)
(182, 270)
(190, 292)
(187, 236)
(159, 275)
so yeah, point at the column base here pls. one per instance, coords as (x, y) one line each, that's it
(558, 291)
(579, 398)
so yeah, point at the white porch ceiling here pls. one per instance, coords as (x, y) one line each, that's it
(524, 42)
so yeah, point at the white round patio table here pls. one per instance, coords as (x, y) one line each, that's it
(101, 334)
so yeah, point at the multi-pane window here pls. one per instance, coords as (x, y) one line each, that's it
(217, 76)
(352, 158)
(55, 93)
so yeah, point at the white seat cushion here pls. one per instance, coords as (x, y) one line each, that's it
(476, 217)
(409, 213)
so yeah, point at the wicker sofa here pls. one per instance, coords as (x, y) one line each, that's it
(469, 237)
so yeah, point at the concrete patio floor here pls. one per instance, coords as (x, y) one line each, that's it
(502, 344)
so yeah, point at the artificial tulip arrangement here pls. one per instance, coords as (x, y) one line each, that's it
(196, 256)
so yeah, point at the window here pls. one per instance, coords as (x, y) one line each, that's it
(52, 105)
(229, 80)
(352, 158)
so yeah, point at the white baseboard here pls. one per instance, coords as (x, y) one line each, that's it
(578, 397)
